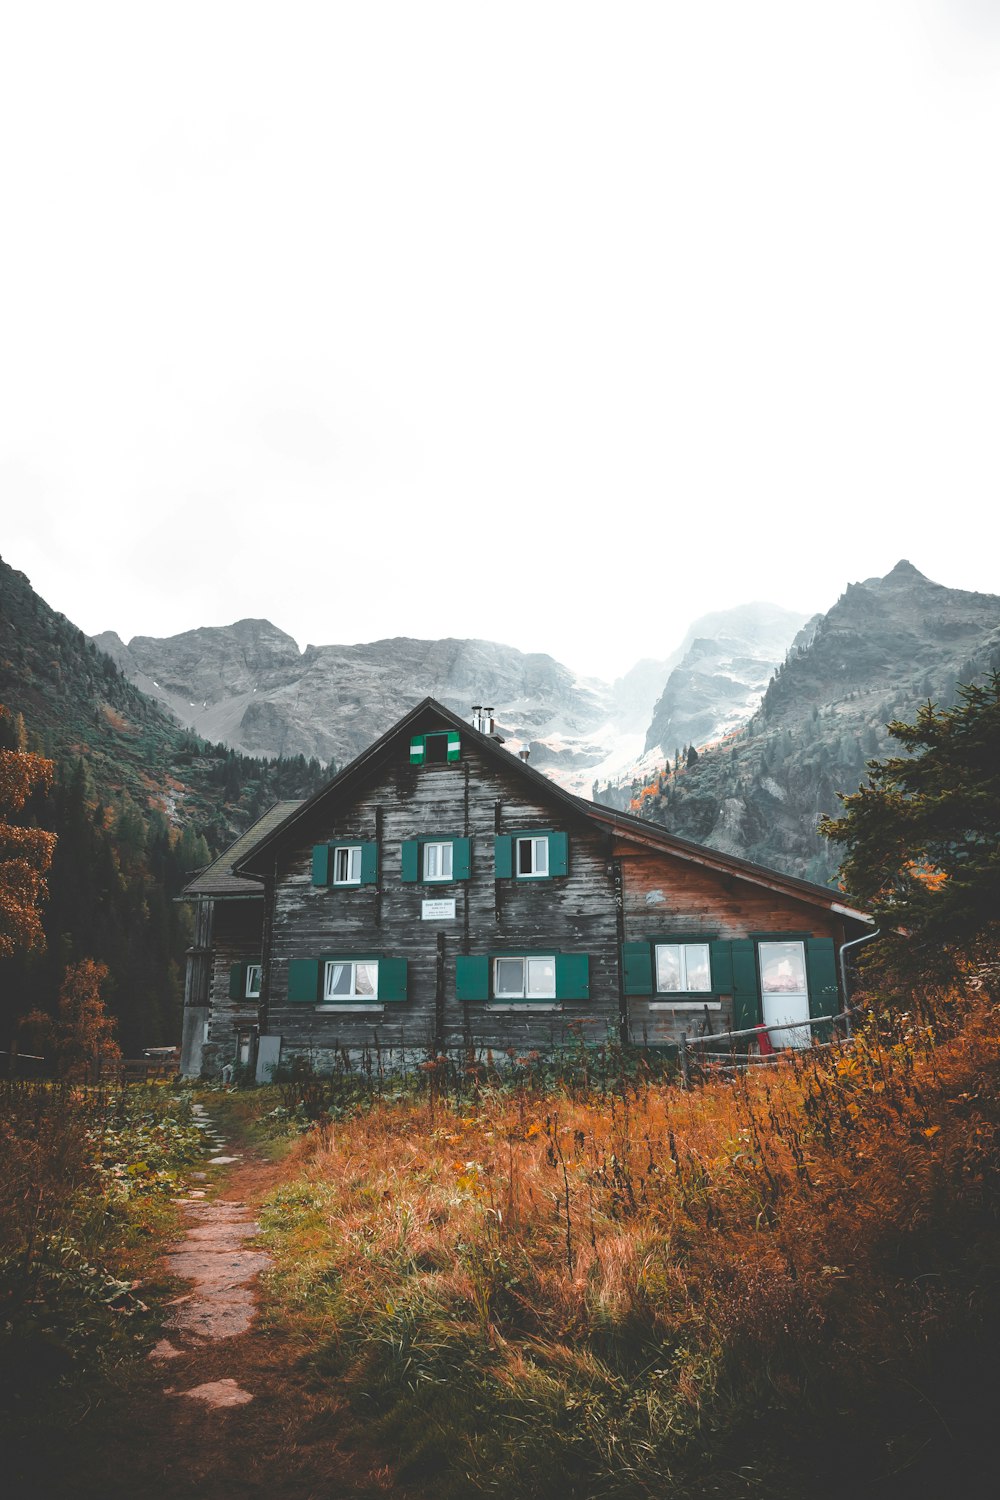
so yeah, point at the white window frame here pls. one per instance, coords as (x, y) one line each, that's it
(536, 842)
(353, 852)
(251, 991)
(440, 849)
(684, 988)
(332, 964)
(525, 992)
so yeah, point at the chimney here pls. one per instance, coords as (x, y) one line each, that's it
(524, 753)
(482, 719)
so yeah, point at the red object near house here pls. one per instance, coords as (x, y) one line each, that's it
(764, 1044)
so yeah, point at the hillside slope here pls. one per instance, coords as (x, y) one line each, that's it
(77, 704)
(887, 645)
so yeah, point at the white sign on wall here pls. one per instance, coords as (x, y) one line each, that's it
(434, 910)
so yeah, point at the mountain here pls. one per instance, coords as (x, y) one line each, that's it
(729, 657)
(249, 685)
(78, 705)
(886, 646)
(711, 685)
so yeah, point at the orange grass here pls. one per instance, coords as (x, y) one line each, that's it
(623, 1288)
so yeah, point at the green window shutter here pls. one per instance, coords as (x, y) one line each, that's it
(637, 968)
(411, 860)
(304, 981)
(720, 954)
(322, 855)
(461, 859)
(472, 977)
(369, 864)
(572, 976)
(821, 971)
(746, 1003)
(392, 979)
(237, 981)
(558, 854)
(418, 750)
(503, 846)
(454, 745)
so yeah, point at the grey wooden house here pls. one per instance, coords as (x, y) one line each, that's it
(440, 894)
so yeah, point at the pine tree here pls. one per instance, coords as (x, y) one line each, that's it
(923, 834)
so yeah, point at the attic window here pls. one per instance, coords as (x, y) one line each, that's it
(439, 745)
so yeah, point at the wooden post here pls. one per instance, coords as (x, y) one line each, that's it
(439, 998)
(685, 1076)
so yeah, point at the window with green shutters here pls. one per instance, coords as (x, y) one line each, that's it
(244, 981)
(522, 978)
(734, 969)
(347, 978)
(345, 863)
(438, 746)
(531, 854)
(677, 967)
(436, 861)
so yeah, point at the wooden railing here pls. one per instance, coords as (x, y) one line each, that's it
(721, 1058)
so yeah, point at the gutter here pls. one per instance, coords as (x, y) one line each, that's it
(866, 937)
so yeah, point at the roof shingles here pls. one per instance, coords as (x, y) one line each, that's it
(217, 879)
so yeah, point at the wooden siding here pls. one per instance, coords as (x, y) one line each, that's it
(473, 798)
(665, 895)
(236, 939)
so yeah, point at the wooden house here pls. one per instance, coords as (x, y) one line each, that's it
(441, 894)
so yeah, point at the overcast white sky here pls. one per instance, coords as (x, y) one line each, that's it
(555, 324)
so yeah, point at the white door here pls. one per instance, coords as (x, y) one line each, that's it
(784, 992)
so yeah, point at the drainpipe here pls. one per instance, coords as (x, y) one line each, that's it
(866, 937)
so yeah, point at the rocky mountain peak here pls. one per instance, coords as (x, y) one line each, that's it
(729, 656)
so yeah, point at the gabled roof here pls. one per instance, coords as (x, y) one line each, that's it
(217, 879)
(429, 714)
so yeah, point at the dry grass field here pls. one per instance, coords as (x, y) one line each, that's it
(785, 1284)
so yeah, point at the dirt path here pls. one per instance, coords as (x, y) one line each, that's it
(221, 1407)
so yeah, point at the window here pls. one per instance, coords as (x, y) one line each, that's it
(524, 978)
(683, 968)
(244, 980)
(533, 856)
(437, 861)
(347, 864)
(441, 745)
(344, 979)
(336, 978)
(682, 964)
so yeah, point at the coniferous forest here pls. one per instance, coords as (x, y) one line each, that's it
(138, 805)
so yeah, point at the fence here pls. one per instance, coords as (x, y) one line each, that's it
(694, 1051)
(23, 1064)
(98, 1070)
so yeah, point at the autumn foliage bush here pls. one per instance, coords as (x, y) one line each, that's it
(777, 1284)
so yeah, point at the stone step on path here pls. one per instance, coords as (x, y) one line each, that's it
(222, 1269)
